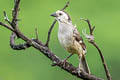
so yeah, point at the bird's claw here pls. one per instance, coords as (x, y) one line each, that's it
(79, 70)
(54, 63)
(64, 62)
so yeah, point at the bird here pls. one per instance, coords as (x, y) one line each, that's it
(70, 39)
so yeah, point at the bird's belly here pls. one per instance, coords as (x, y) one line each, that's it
(70, 44)
(65, 40)
(76, 48)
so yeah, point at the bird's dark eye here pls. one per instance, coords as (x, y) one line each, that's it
(60, 13)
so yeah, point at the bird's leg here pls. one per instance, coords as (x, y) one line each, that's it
(80, 64)
(64, 61)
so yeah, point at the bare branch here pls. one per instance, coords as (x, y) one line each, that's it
(103, 61)
(36, 32)
(54, 22)
(38, 45)
(17, 47)
(15, 13)
(6, 18)
(67, 67)
(21, 46)
(49, 33)
(8, 27)
(67, 4)
(91, 29)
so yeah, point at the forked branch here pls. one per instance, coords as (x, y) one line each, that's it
(38, 45)
(91, 40)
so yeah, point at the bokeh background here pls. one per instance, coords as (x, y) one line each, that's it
(30, 64)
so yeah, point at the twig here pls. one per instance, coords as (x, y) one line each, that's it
(6, 18)
(54, 22)
(8, 27)
(103, 61)
(49, 33)
(36, 32)
(15, 13)
(20, 46)
(67, 4)
(91, 29)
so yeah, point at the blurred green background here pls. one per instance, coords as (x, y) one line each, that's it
(30, 64)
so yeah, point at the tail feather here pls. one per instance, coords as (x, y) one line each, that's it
(85, 65)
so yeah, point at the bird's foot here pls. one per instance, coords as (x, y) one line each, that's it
(54, 63)
(64, 62)
(79, 70)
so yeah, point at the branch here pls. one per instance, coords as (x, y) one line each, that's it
(38, 45)
(20, 46)
(49, 33)
(6, 18)
(65, 6)
(15, 13)
(6, 26)
(67, 67)
(54, 22)
(36, 32)
(91, 40)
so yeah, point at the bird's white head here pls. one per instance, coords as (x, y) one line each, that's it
(61, 16)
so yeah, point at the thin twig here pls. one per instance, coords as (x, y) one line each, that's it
(6, 18)
(103, 61)
(92, 41)
(49, 33)
(67, 4)
(15, 13)
(36, 32)
(8, 27)
(20, 46)
(54, 22)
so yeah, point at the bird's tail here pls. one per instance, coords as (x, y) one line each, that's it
(83, 64)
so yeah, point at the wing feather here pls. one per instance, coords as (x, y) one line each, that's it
(79, 38)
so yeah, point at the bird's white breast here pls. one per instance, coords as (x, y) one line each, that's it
(65, 35)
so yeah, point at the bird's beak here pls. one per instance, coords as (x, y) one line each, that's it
(54, 15)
